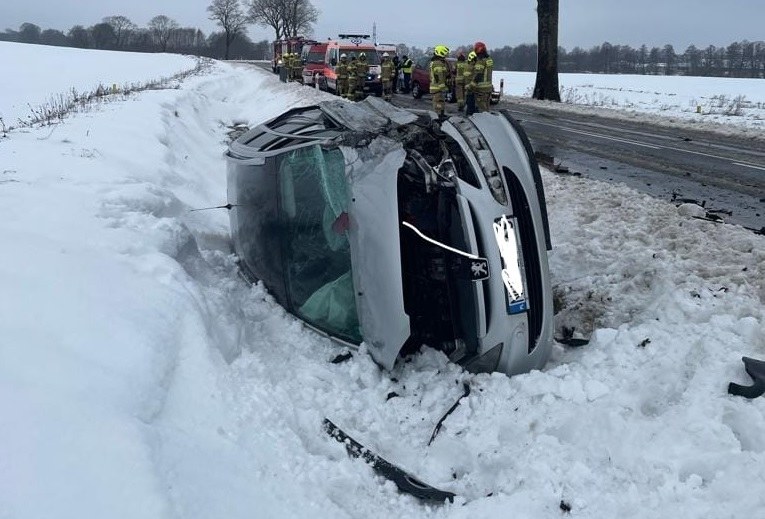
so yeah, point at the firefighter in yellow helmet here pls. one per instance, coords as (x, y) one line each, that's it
(468, 77)
(387, 69)
(439, 78)
(481, 81)
(341, 71)
(362, 69)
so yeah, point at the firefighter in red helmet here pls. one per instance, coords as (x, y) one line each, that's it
(481, 84)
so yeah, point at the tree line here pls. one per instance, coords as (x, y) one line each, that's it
(161, 34)
(296, 17)
(743, 59)
(288, 18)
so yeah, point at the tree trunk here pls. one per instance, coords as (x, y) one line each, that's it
(546, 86)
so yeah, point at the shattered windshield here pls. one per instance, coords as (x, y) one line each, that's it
(314, 204)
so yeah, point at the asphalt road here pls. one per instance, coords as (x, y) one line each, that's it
(726, 174)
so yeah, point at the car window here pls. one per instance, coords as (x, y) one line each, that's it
(314, 205)
(315, 57)
(372, 57)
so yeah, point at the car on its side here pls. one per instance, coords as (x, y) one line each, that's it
(390, 227)
(420, 81)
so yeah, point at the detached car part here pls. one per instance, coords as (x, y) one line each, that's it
(756, 369)
(383, 225)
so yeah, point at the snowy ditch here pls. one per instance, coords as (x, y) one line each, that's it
(131, 342)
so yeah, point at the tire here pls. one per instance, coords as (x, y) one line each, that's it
(416, 91)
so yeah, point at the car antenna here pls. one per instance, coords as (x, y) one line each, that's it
(227, 206)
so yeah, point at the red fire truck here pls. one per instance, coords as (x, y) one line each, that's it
(286, 45)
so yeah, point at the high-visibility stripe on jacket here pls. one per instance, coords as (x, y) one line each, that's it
(438, 75)
(386, 70)
(406, 67)
(342, 70)
(482, 74)
(459, 72)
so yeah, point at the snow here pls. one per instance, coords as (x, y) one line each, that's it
(41, 73)
(728, 105)
(141, 377)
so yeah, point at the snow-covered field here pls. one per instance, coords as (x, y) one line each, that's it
(141, 377)
(731, 105)
(35, 75)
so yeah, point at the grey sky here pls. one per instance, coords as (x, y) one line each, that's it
(425, 23)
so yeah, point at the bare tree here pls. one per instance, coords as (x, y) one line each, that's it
(288, 18)
(299, 17)
(122, 27)
(546, 86)
(102, 35)
(29, 33)
(668, 53)
(161, 28)
(79, 37)
(267, 13)
(229, 15)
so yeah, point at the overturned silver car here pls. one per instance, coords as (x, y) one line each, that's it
(383, 225)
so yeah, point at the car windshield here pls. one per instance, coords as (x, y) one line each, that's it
(315, 57)
(372, 57)
(314, 203)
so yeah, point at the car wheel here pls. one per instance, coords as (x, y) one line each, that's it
(416, 91)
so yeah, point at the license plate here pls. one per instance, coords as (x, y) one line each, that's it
(506, 235)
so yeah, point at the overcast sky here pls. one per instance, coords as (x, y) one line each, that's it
(425, 23)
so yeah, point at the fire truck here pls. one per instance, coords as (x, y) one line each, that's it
(281, 47)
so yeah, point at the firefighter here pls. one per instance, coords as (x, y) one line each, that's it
(439, 78)
(396, 71)
(288, 67)
(459, 81)
(406, 69)
(362, 69)
(468, 79)
(481, 81)
(297, 69)
(387, 70)
(352, 66)
(341, 88)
